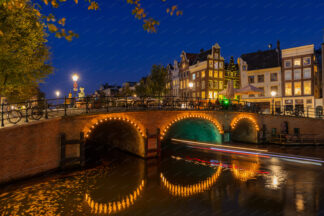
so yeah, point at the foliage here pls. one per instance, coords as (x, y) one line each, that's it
(157, 80)
(24, 56)
(126, 91)
(56, 25)
(141, 90)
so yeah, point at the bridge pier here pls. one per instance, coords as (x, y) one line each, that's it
(152, 144)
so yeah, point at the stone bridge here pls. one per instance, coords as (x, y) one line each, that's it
(37, 147)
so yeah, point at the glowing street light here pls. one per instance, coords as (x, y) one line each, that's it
(75, 77)
(191, 85)
(273, 94)
(57, 93)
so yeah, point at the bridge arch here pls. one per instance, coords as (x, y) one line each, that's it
(166, 128)
(114, 130)
(244, 128)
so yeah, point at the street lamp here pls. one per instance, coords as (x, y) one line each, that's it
(75, 78)
(273, 94)
(57, 93)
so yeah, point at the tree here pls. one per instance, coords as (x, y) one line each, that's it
(24, 56)
(157, 80)
(141, 90)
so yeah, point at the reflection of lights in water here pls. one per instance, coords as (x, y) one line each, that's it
(300, 202)
(249, 172)
(276, 178)
(114, 207)
(190, 190)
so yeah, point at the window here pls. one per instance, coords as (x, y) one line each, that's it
(215, 84)
(288, 89)
(202, 74)
(215, 94)
(220, 65)
(274, 88)
(216, 65)
(297, 62)
(307, 73)
(287, 64)
(274, 77)
(211, 64)
(210, 84)
(193, 76)
(203, 84)
(297, 88)
(287, 74)
(210, 94)
(297, 74)
(261, 78)
(251, 79)
(244, 67)
(251, 95)
(262, 93)
(306, 61)
(193, 94)
(307, 87)
(309, 101)
(216, 74)
(210, 73)
(203, 94)
(220, 85)
(220, 75)
(198, 83)
(198, 73)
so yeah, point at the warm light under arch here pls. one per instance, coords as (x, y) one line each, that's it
(98, 121)
(240, 117)
(165, 129)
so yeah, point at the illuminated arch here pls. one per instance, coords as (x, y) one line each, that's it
(116, 206)
(102, 119)
(240, 117)
(248, 171)
(214, 121)
(190, 190)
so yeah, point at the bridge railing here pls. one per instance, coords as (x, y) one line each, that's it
(33, 110)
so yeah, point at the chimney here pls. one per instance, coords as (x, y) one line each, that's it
(278, 44)
(279, 52)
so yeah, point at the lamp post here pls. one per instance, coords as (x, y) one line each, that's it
(273, 94)
(75, 78)
(57, 93)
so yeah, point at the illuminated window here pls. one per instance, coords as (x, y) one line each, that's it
(216, 65)
(215, 84)
(193, 76)
(210, 64)
(215, 94)
(203, 94)
(220, 85)
(288, 89)
(287, 64)
(210, 94)
(307, 87)
(297, 87)
(210, 73)
(220, 75)
(274, 77)
(306, 61)
(193, 94)
(203, 84)
(220, 65)
(198, 94)
(307, 73)
(202, 74)
(216, 74)
(198, 84)
(260, 78)
(251, 79)
(287, 74)
(297, 62)
(210, 84)
(297, 74)
(198, 73)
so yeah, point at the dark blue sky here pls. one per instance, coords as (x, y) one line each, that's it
(113, 47)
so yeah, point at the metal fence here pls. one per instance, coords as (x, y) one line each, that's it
(18, 113)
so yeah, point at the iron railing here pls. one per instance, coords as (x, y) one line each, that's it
(49, 108)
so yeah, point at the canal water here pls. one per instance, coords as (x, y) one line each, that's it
(186, 181)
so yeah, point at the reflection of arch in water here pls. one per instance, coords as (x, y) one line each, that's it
(249, 170)
(116, 206)
(190, 190)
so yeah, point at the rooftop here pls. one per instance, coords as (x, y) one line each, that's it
(262, 59)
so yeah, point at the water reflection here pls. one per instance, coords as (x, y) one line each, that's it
(210, 184)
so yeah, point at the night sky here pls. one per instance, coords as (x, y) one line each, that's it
(113, 47)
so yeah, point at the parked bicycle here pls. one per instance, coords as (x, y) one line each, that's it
(15, 114)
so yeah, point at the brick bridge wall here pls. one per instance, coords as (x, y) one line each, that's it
(33, 148)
